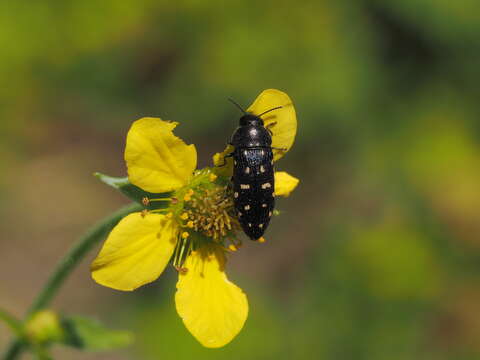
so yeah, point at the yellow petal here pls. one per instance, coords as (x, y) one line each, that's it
(212, 308)
(284, 183)
(136, 251)
(285, 119)
(223, 165)
(157, 160)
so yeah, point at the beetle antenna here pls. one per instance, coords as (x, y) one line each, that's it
(236, 104)
(275, 108)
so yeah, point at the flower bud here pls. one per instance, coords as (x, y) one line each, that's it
(43, 327)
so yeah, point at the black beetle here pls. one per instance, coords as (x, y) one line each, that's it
(253, 173)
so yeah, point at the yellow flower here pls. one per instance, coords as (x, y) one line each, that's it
(195, 228)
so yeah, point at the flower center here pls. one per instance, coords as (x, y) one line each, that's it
(204, 210)
(206, 213)
(210, 213)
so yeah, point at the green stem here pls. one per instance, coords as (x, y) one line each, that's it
(13, 323)
(65, 267)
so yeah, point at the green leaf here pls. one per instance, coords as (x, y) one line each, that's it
(133, 192)
(88, 334)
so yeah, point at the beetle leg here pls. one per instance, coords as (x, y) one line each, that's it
(273, 123)
(225, 161)
(268, 126)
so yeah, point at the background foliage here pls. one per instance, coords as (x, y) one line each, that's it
(377, 255)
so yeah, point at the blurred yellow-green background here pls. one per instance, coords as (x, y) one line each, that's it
(377, 253)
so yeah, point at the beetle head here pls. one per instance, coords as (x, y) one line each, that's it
(250, 119)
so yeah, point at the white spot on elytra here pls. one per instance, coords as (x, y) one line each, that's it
(235, 194)
(260, 226)
(269, 213)
(266, 185)
(264, 205)
(244, 186)
(262, 169)
(239, 213)
(262, 152)
(247, 170)
(249, 224)
(247, 207)
(245, 153)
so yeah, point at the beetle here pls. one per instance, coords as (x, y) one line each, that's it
(253, 173)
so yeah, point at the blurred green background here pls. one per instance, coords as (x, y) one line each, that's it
(377, 254)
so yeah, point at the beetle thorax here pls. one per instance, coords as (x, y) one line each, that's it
(250, 119)
(251, 135)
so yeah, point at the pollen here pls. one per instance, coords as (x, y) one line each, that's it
(184, 216)
(261, 240)
(185, 235)
(211, 212)
(213, 177)
(169, 215)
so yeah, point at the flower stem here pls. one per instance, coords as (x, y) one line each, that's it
(65, 267)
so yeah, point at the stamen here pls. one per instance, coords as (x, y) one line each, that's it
(146, 201)
(159, 211)
(182, 250)
(181, 270)
(209, 209)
